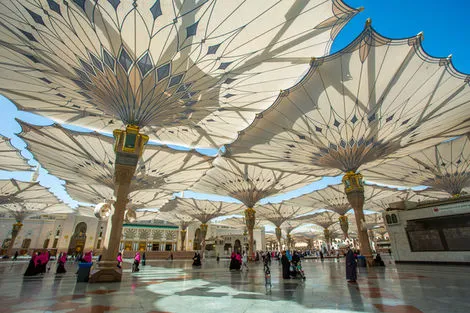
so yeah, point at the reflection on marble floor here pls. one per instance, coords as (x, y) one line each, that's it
(164, 286)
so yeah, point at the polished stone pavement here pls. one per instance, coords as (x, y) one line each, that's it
(174, 286)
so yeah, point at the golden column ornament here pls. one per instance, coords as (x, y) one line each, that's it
(289, 241)
(344, 223)
(203, 228)
(183, 238)
(279, 237)
(14, 233)
(128, 146)
(250, 219)
(354, 189)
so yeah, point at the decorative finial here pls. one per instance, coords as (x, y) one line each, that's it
(360, 9)
(368, 22)
(420, 35)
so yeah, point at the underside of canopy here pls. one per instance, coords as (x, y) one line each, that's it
(248, 183)
(191, 72)
(444, 167)
(202, 210)
(10, 158)
(87, 160)
(377, 99)
(279, 213)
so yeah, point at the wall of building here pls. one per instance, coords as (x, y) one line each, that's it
(400, 245)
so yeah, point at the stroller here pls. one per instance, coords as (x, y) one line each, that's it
(267, 275)
(297, 271)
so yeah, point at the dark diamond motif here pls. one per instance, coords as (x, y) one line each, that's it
(405, 122)
(371, 118)
(389, 118)
(459, 161)
(352, 142)
(229, 95)
(443, 164)
(213, 49)
(125, 60)
(324, 150)
(87, 67)
(54, 6)
(342, 143)
(191, 30)
(291, 146)
(60, 95)
(361, 141)
(96, 62)
(333, 146)
(44, 79)
(301, 137)
(80, 84)
(32, 58)
(156, 9)
(28, 35)
(190, 103)
(114, 3)
(224, 65)
(354, 119)
(336, 123)
(108, 59)
(318, 129)
(36, 17)
(83, 76)
(163, 71)
(145, 64)
(229, 81)
(175, 80)
(183, 87)
(80, 3)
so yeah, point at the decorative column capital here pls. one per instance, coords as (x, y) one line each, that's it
(344, 223)
(250, 218)
(326, 233)
(203, 227)
(16, 229)
(353, 182)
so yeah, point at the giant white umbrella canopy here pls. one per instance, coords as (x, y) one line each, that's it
(406, 195)
(86, 161)
(10, 157)
(289, 226)
(89, 158)
(378, 98)
(191, 72)
(444, 167)
(279, 214)
(23, 199)
(323, 219)
(182, 220)
(334, 199)
(201, 210)
(249, 184)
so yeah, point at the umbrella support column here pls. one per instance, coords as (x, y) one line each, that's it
(14, 233)
(250, 219)
(354, 189)
(128, 147)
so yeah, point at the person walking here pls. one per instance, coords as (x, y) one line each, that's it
(285, 265)
(135, 268)
(351, 266)
(119, 260)
(61, 264)
(244, 261)
(15, 256)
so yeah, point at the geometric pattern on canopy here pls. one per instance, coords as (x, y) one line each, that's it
(248, 183)
(279, 213)
(179, 219)
(191, 72)
(201, 210)
(289, 225)
(371, 221)
(443, 167)
(22, 199)
(378, 98)
(10, 158)
(89, 159)
(138, 199)
(324, 219)
(383, 203)
(334, 199)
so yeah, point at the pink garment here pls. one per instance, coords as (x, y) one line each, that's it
(119, 258)
(88, 257)
(137, 257)
(239, 257)
(45, 258)
(34, 258)
(63, 258)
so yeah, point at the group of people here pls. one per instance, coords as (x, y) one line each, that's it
(38, 264)
(291, 265)
(197, 259)
(135, 264)
(238, 261)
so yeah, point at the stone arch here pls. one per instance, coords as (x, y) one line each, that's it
(77, 242)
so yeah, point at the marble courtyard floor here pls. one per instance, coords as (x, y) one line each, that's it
(164, 286)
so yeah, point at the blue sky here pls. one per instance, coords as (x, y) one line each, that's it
(445, 25)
